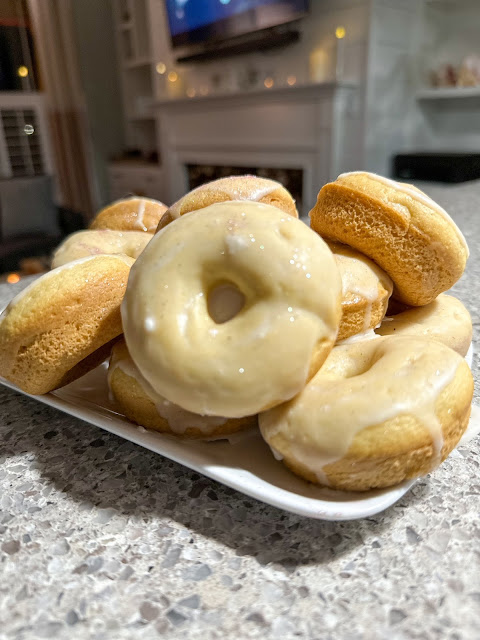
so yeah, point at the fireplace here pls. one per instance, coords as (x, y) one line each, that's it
(301, 136)
(291, 179)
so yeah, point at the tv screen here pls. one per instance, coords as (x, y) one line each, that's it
(197, 21)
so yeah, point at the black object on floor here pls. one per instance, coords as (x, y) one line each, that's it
(437, 167)
(70, 221)
(13, 250)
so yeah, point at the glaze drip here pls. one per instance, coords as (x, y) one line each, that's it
(318, 426)
(179, 420)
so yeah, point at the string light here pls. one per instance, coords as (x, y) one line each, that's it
(291, 80)
(191, 92)
(340, 32)
(172, 76)
(161, 67)
(22, 71)
(12, 278)
(269, 82)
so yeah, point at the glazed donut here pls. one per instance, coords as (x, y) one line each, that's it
(141, 404)
(62, 325)
(396, 225)
(365, 291)
(377, 413)
(445, 319)
(130, 214)
(100, 241)
(232, 188)
(231, 309)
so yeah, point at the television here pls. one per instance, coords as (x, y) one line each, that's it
(208, 28)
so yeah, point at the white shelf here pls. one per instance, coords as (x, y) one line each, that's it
(252, 95)
(449, 93)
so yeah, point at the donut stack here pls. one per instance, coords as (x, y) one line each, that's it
(391, 403)
(237, 313)
(123, 227)
(65, 323)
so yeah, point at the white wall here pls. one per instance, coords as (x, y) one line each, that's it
(390, 87)
(93, 24)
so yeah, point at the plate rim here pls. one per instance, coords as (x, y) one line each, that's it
(364, 506)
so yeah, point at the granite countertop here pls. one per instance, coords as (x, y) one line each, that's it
(102, 539)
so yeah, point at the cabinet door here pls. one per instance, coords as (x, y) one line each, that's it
(125, 182)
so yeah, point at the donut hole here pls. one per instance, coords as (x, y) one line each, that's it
(224, 302)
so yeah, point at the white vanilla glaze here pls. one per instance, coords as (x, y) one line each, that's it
(255, 194)
(445, 319)
(361, 385)
(415, 194)
(367, 317)
(235, 188)
(276, 454)
(362, 280)
(100, 241)
(179, 420)
(358, 337)
(244, 187)
(121, 200)
(353, 283)
(137, 206)
(140, 213)
(291, 287)
(361, 277)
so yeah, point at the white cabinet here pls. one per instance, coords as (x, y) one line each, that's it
(135, 178)
(312, 128)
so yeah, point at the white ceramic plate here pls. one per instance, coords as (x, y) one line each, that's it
(245, 463)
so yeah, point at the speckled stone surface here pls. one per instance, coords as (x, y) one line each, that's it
(101, 539)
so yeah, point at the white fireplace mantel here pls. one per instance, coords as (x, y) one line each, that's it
(314, 128)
